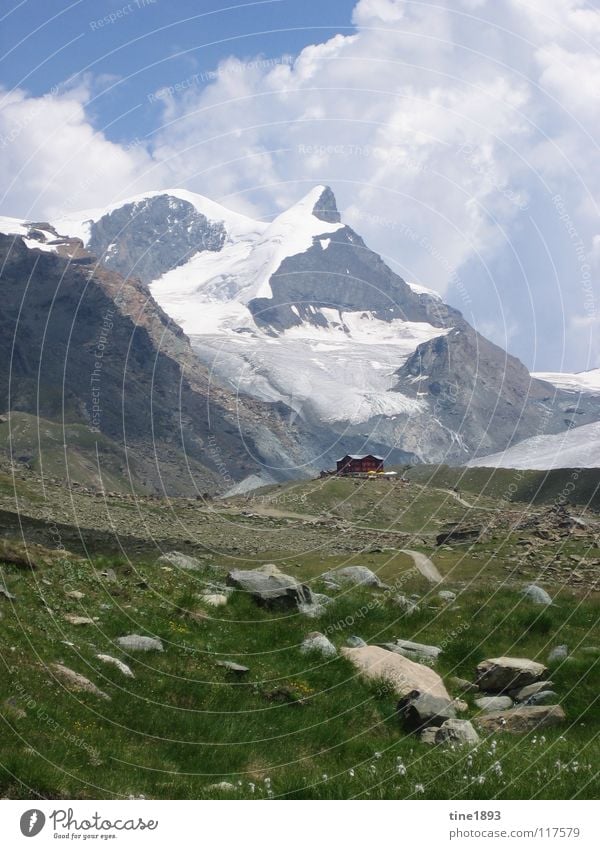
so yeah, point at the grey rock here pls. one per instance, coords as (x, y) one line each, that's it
(447, 595)
(179, 560)
(492, 703)
(74, 681)
(355, 575)
(135, 642)
(427, 735)
(522, 719)
(544, 697)
(406, 604)
(500, 674)
(420, 710)
(459, 731)
(318, 642)
(415, 651)
(525, 693)
(75, 594)
(223, 786)
(558, 653)
(355, 642)
(536, 594)
(113, 661)
(230, 666)
(271, 588)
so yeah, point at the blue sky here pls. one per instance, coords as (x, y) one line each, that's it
(460, 137)
(150, 44)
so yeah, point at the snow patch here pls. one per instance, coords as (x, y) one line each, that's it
(578, 447)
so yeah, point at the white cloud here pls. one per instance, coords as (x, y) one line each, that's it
(445, 129)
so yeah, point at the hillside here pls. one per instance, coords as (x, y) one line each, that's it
(227, 701)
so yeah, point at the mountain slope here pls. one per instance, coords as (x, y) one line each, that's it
(85, 346)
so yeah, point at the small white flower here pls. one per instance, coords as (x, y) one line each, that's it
(419, 788)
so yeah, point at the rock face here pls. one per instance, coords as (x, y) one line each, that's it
(271, 587)
(396, 672)
(522, 719)
(536, 594)
(458, 731)
(153, 235)
(74, 681)
(500, 674)
(134, 642)
(355, 575)
(424, 710)
(317, 642)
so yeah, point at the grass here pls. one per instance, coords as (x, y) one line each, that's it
(298, 726)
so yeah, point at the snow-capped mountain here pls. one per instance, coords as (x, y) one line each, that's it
(299, 314)
(578, 447)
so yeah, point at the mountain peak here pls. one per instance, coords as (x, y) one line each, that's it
(326, 208)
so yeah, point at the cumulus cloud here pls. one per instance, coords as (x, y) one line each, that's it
(54, 161)
(458, 139)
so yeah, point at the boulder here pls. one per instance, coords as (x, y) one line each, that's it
(355, 575)
(416, 651)
(526, 692)
(134, 642)
(179, 560)
(488, 704)
(558, 654)
(75, 594)
(399, 674)
(122, 667)
(459, 731)
(422, 710)
(271, 588)
(521, 719)
(317, 642)
(74, 681)
(536, 594)
(499, 674)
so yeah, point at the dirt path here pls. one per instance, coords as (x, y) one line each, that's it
(424, 565)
